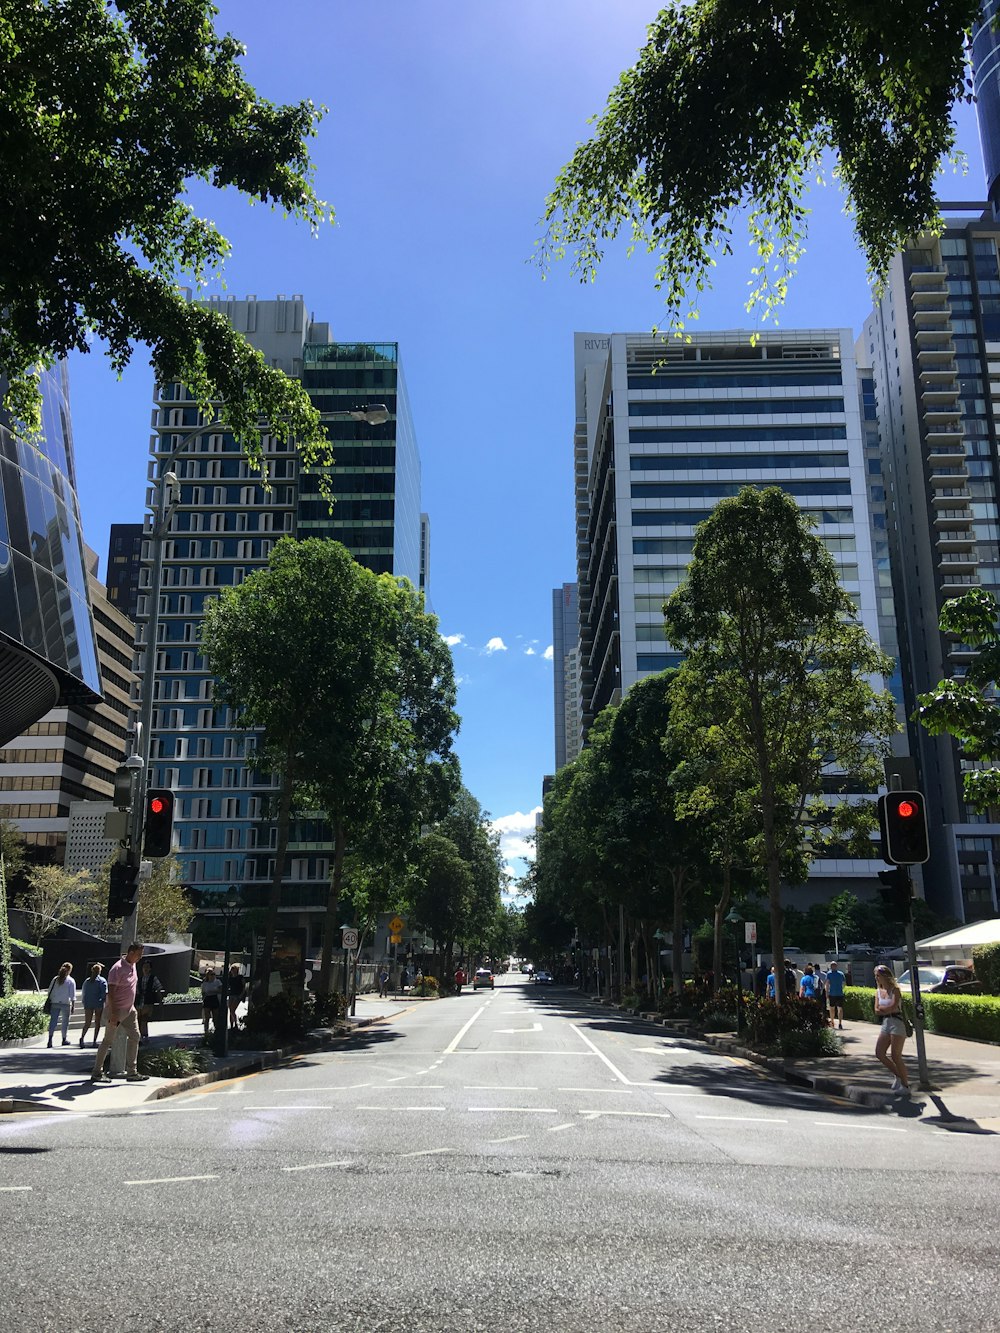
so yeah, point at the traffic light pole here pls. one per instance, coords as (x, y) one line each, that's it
(924, 1082)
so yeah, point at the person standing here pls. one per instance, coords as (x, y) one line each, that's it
(235, 989)
(95, 993)
(771, 985)
(383, 982)
(807, 986)
(122, 982)
(211, 990)
(835, 981)
(892, 1034)
(62, 1001)
(149, 992)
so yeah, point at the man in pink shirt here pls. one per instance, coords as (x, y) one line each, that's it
(120, 1012)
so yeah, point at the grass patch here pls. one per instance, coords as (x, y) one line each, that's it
(174, 1061)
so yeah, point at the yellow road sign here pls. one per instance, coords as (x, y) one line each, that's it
(396, 924)
(395, 939)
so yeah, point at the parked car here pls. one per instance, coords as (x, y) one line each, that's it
(482, 979)
(948, 980)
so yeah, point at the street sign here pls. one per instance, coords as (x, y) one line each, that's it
(396, 925)
(750, 928)
(348, 939)
(395, 939)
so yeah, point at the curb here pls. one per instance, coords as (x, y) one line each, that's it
(252, 1063)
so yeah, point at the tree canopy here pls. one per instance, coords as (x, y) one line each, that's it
(733, 105)
(108, 111)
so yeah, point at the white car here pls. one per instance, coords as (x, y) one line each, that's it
(482, 979)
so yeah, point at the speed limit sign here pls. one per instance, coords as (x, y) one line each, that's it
(348, 938)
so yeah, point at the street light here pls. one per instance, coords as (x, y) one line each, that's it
(230, 907)
(735, 920)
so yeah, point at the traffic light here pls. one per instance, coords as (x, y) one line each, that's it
(159, 822)
(896, 894)
(903, 820)
(122, 893)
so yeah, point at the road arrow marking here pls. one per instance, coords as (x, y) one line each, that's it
(535, 1027)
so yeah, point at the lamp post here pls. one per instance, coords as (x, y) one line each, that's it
(735, 920)
(231, 907)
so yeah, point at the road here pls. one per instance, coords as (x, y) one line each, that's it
(515, 1159)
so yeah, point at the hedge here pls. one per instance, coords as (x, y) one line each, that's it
(973, 1016)
(986, 960)
(20, 1018)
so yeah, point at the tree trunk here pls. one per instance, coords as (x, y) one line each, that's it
(721, 908)
(263, 986)
(633, 957)
(330, 925)
(678, 947)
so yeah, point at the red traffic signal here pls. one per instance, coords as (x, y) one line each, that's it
(159, 826)
(903, 818)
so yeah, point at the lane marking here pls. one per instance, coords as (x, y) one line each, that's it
(426, 1152)
(168, 1180)
(535, 1027)
(170, 1110)
(15, 1189)
(511, 1138)
(498, 1087)
(594, 1090)
(523, 1051)
(315, 1166)
(583, 1036)
(645, 1115)
(855, 1124)
(462, 1031)
(519, 1110)
(400, 1108)
(554, 1129)
(287, 1108)
(746, 1119)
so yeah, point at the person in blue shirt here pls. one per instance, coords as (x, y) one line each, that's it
(807, 986)
(771, 983)
(835, 981)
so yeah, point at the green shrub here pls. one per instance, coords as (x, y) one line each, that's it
(428, 986)
(810, 1042)
(329, 1009)
(769, 1022)
(986, 960)
(21, 1017)
(717, 1021)
(973, 1016)
(173, 1061)
(183, 996)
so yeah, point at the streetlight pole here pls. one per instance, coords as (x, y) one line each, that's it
(735, 920)
(231, 908)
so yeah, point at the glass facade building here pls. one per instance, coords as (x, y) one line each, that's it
(664, 430)
(48, 653)
(223, 529)
(934, 344)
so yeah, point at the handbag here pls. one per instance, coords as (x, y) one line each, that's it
(47, 1002)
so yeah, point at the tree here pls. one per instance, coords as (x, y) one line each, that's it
(11, 862)
(53, 894)
(352, 690)
(777, 661)
(841, 916)
(733, 106)
(965, 706)
(441, 893)
(109, 111)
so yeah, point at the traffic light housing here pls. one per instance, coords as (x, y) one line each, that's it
(159, 824)
(903, 820)
(896, 893)
(123, 890)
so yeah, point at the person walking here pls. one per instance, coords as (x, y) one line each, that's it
(772, 985)
(122, 982)
(62, 1001)
(807, 986)
(149, 992)
(383, 982)
(892, 1034)
(95, 993)
(235, 990)
(835, 981)
(211, 990)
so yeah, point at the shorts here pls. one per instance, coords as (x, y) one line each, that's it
(836, 1001)
(893, 1026)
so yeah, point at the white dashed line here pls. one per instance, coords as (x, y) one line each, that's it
(315, 1166)
(746, 1119)
(554, 1129)
(15, 1189)
(511, 1138)
(286, 1108)
(491, 1087)
(170, 1110)
(856, 1124)
(517, 1110)
(426, 1152)
(641, 1115)
(168, 1180)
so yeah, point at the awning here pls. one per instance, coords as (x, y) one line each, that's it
(963, 940)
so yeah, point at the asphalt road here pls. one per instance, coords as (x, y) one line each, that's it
(511, 1160)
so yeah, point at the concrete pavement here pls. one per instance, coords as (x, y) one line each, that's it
(34, 1077)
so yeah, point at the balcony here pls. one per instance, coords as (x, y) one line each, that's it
(950, 496)
(935, 372)
(927, 275)
(955, 539)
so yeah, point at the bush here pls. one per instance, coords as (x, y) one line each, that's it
(20, 1018)
(428, 986)
(770, 1023)
(717, 1021)
(173, 1061)
(281, 1018)
(183, 996)
(810, 1042)
(986, 960)
(974, 1016)
(328, 1010)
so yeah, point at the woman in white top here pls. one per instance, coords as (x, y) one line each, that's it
(62, 999)
(892, 1034)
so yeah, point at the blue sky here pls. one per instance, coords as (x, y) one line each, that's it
(446, 125)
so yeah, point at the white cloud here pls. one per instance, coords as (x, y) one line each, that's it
(515, 831)
(452, 640)
(495, 645)
(530, 652)
(548, 653)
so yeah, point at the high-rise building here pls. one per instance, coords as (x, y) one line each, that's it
(566, 672)
(934, 343)
(664, 430)
(986, 82)
(72, 752)
(122, 573)
(47, 651)
(222, 530)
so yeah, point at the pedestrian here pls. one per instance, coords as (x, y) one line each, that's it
(760, 981)
(62, 1001)
(95, 992)
(459, 980)
(807, 986)
(791, 979)
(420, 978)
(235, 989)
(772, 985)
(893, 1032)
(122, 982)
(149, 992)
(383, 982)
(835, 980)
(211, 989)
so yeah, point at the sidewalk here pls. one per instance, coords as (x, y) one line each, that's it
(35, 1078)
(964, 1075)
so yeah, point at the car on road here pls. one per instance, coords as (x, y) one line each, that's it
(949, 980)
(482, 979)
(543, 978)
